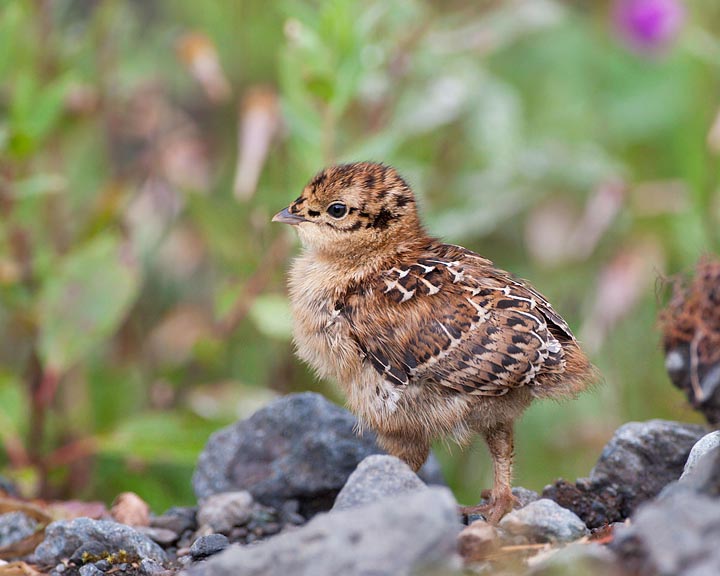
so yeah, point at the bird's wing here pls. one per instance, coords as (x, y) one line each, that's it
(452, 319)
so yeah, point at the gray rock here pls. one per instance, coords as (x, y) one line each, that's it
(225, 510)
(643, 457)
(674, 536)
(64, 537)
(579, 559)
(544, 521)
(299, 447)
(638, 462)
(377, 476)
(14, 526)
(524, 496)
(392, 537)
(208, 545)
(701, 448)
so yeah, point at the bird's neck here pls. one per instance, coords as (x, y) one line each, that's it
(361, 260)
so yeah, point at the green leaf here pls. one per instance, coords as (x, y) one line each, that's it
(159, 437)
(38, 185)
(13, 405)
(271, 315)
(35, 110)
(85, 300)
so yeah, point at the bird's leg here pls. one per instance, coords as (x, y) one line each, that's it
(412, 450)
(500, 443)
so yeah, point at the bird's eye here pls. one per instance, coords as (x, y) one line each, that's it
(337, 210)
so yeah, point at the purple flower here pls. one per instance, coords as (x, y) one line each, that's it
(648, 25)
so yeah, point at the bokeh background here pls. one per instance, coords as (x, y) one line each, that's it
(145, 145)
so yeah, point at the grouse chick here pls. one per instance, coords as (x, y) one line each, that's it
(426, 339)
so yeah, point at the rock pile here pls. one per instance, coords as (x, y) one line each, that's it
(292, 490)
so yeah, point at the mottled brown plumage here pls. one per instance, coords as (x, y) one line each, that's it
(427, 339)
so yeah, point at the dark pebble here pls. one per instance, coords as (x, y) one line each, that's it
(208, 545)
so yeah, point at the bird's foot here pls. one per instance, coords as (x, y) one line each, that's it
(500, 503)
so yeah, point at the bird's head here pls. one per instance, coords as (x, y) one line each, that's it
(353, 209)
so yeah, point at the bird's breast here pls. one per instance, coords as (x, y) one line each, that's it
(321, 334)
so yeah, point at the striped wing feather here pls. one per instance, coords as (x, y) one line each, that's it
(458, 322)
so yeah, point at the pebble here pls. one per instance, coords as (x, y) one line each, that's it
(90, 570)
(206, 546)
(224, 511)
(377, 476)
(162, 536)
(179, 519)
(151, 568)
(477, 541)
(14, 526)
(544, 521)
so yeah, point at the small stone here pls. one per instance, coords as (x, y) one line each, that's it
(14, 526)
(238, 534)
(103, 565)
(477, 541)
(544, 521)
(270, 528)
(701, 448)
(162, 536)
(130, 509)
(377, 476)
(179, 519)
(60, 568)
(208, 545)
(151, 568)
(289, 513)
(524, 496)
(90, 570)
(223, 511)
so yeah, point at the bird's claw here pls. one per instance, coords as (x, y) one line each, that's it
(496, 508)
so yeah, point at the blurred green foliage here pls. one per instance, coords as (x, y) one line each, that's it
(144, 147)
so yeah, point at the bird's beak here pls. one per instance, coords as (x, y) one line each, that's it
(286, 217)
